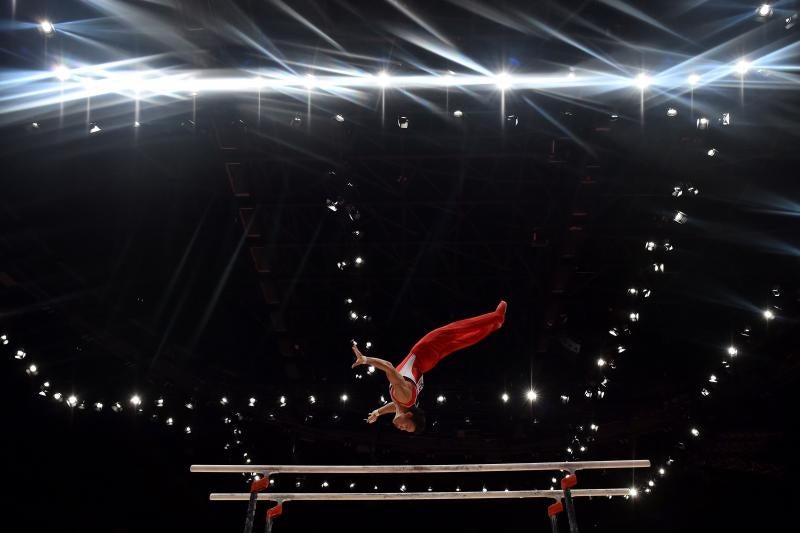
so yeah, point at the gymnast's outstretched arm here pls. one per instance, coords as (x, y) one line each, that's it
(391, 372)
(380, 411)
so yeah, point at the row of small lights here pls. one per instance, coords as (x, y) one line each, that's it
(732, 351)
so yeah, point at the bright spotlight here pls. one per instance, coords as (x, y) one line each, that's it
(672, 112)
(383, 79)
(643, 81)
(694, 80)
(458, 113)
(769, 315)
(680, 217)
(95, 128)
(764, 11)
(61, 72)
(713, 152)
(503, 81)
(505, 397)
(309, 81)
(531, 395)
(338, 118)
(440, 398)
(46, 27)
(702, 123)
(742, 66)
(402, 122)
(732, 351)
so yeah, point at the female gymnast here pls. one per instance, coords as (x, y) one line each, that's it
(406, 380)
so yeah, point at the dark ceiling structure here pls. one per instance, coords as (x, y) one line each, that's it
(187, 254)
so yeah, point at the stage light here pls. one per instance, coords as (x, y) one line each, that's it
(776, 291)
(704, 392)
(712, 378)
(713, 152)
(402, 488)
(20, 355)
(223, 401)
(359, 261)
(136, 400)
(458, 113)
(188, 431)
(383, 79)
(160, 402)
(368, 345)
(764, 11)
(57, 396)
(338, 118)
(72, 401)
(672, 112)
(702, 123)
(512, 120)
(594, 427)
(297, 120)
(791, 21)
(553, 480)
(371, 370)
(650, 246)
(732, 351)
(348, 301)
(634, 317)
(353, 315)
(383, 400)
(484, 489)
(46, 27)
(725, 119)
(32, 370)
(633, 291)
(613, 332)
(344, 398)
(503, 81)
(621, 349)
(768, 314)
(282, 401)
(632, 492)
(643, 81)
(742, 66)
(505, 397)
(680, 217)
(402, 122)
(116, 407)
(531, 395)
(440, 399)
(309, 81)
(601, 362)
(98, 406)
(693, 80)
(312, 400)
(352, 485)
(662, 471)
(95, 128)
(695, 432)
(564, 398)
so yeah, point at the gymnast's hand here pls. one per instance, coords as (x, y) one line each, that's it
(361, 359)
(373, 416)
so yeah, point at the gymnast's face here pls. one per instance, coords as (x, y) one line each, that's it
(403, 422)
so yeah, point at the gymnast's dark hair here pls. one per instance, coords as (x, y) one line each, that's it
(418, 417)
